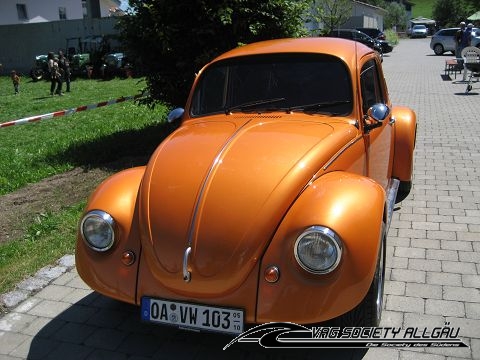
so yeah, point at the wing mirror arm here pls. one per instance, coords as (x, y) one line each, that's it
(375, 116)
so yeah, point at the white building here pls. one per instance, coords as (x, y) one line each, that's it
(34, 11)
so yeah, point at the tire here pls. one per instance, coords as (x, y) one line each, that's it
(438, 49)
(403, 191)
(369, 312)
(36, 74)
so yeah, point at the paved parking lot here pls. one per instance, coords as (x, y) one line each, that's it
(433, 254)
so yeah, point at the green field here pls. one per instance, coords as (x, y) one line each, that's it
(423, 8)
(36, 151)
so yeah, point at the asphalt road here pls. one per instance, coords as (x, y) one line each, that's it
(433, 253)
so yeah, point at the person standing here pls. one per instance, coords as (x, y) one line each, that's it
(64, 65)
(16, 81)
(458, 40)
(55, 75)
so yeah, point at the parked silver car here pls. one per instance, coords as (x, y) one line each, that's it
(444, 40)
(419, 31)
(475, 37)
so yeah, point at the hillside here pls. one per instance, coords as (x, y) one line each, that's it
(422, 8)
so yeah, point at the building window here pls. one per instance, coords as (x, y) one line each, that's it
(84, 8)
(62, 13)
(22, 12)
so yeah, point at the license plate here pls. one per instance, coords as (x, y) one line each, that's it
(193, 316)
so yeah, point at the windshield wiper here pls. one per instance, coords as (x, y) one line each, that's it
(251, 104)
(317, 106)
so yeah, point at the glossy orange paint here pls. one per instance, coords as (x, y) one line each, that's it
(405, 135)
(257, 175)
(107, 274)
(239, 189)
(335, 202)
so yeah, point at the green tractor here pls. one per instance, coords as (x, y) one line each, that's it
(86, 54)
(40, 68)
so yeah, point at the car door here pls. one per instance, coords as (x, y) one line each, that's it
(379, 140)
(449, 39)
(364, 39)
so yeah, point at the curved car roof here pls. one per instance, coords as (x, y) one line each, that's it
(348, 50)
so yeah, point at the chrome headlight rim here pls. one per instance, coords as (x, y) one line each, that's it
(334, 240)
(109, 221)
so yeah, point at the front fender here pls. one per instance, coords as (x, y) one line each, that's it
(353, 207)
(105, 272)
(405, 136)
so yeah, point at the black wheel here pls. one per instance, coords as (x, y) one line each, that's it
(36, 74)
(438, 49)
(369, 312)
(403, 191)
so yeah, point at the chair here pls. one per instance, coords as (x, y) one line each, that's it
(453, 66)
(471, 63)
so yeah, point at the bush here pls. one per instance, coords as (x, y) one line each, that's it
(392, 36)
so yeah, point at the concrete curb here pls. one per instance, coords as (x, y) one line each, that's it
(37, 282)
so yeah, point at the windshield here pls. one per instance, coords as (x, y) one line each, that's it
(305, 82)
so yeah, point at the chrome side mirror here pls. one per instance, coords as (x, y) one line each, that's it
(175, 115)
(377, 114)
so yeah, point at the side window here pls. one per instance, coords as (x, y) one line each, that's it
(371, 86)
(22, 12)
(359, 36)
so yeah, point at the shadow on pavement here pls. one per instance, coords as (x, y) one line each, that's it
(97, 327)
(466, 93)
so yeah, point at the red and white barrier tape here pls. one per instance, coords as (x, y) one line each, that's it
(67, 111)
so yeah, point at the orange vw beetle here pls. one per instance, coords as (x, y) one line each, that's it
(270, 202)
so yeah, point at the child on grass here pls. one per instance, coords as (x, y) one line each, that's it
(16, 81)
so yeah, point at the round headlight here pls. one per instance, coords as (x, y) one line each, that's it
(318, 250)
(97, 229)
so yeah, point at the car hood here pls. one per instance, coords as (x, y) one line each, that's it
(222, 187)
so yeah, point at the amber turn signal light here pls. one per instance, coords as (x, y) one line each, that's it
(128, 258)
(272, 274)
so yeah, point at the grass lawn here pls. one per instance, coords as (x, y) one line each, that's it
(35, 151)
(87, 139)
(49, 238)
(423, 8)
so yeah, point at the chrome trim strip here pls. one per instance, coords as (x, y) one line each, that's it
(187, 275)
(391, 191)
(201, 194)
(341, 151)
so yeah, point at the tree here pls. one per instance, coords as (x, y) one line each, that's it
(396, 15)
(173, 39)
(473, 4)
(331, 13)
(449, 13)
